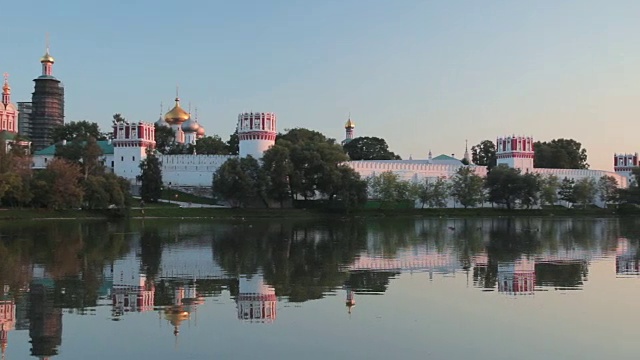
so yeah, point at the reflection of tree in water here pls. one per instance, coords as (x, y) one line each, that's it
(561, 275)
(370, 281)
(74, 254)
(45, 322)
(301, 260)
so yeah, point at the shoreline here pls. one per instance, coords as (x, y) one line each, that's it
(161, 212)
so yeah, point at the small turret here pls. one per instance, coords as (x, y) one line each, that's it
(515, 152)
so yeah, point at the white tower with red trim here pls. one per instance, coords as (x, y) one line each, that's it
(624, 163)
(130, 144)
(515, 152)
(256, 133)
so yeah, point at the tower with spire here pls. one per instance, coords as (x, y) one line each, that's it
(8, 111)
(349, 126)
(47, 104)
(467, 157)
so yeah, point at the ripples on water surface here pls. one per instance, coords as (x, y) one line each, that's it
(363, 289)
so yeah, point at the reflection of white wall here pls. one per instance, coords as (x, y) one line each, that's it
(188, 261)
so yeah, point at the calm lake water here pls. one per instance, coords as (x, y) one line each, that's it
(362, 289)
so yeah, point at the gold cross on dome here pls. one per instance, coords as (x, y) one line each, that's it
(6, 77)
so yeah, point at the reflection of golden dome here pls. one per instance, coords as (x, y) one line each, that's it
(350, 124)
(177, 115)
(176, 315)
(46, 58)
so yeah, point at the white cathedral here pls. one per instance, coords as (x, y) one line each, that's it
(257, 132)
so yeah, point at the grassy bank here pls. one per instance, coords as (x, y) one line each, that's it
(173, 211)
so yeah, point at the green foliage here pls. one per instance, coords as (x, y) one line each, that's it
(211, 145)
(369, 148)
(278, 169)
(164, 137)
(584, 191)
(352, 190)
(85, 152)
(434, 194)
(239, 181)
(608, 189)
(508, 187)
(566, 192)
(467, 187)
(390, 189)
(560, 154)
(150, 178)
(77, 130)
(484, 154)
(58, 186)
(549, 186)
(504, 186)
(233, 144)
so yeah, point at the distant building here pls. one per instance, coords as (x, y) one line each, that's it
(47, 105)
(24, 119)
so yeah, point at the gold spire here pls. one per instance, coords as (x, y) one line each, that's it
(6, 89)
(350, 124)
(47, 58)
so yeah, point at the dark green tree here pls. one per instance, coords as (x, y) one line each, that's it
(484, 154)
(549, 186)
(566, 192)
(211, 145)
(504, 186)
(467, 187)
(584, 191)
(239, 181)
(608, 190)
(77, 130)
(278, 168)
(150, 178)
(353, 189)
(369, 148)
(560, 154)
(233, 144)
(164, 137)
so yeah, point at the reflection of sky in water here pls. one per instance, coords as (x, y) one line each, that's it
(414, 296)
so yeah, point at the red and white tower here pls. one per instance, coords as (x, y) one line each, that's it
(256, 133)
(515, 152)
(517, 278)
(130, 144)
(8, 111)
(256, 300)
(624, 163)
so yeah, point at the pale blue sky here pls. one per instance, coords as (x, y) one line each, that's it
(421, 74)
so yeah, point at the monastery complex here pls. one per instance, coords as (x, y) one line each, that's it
(256, 132)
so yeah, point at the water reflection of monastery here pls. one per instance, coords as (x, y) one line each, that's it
(186, 273)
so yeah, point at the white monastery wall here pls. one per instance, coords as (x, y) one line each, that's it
(190, 170)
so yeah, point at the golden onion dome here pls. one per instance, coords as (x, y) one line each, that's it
(350, 124)
(200, 131)
(6, 88)
(177, 115)
(47, 58)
